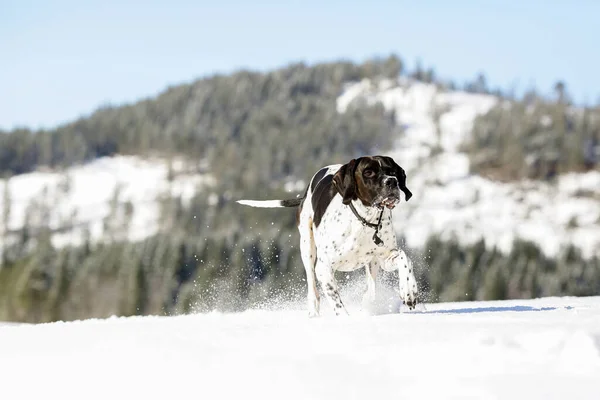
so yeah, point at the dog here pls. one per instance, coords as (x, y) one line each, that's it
(345, 222)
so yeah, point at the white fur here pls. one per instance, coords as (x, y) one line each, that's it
(261, 203)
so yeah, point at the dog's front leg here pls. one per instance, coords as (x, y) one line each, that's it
(329, 285)
(406, 277)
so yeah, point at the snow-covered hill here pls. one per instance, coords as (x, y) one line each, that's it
(451, 202)
(447, 199)
(526, 349)
(79, 198)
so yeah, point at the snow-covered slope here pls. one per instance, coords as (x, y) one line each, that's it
(451, 202)
(526, 349)
(79, 198)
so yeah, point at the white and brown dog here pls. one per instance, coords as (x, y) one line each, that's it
(345, 223)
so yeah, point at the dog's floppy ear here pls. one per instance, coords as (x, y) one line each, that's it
(345, 182)
(401, 175)
(407, 193)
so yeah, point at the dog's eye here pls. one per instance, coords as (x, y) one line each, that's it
(369, 173)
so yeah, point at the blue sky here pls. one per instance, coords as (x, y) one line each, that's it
(62, 59)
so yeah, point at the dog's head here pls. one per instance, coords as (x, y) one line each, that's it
(376, 181)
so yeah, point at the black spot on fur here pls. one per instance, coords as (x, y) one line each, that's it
(291, 202)
(317, 178)
(345, 181)
(322, 195)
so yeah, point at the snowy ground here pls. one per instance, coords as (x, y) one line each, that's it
(521, 349)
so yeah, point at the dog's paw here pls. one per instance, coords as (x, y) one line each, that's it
(341, 312)
(313, 307)
(408, 290)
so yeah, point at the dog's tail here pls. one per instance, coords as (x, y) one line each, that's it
(272, 203)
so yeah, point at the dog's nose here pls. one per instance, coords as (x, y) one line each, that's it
(390, 181)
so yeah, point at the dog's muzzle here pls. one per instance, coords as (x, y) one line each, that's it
(388, 201)
(390, 193)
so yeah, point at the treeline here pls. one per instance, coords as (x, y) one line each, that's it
(282, 121)
(535, 137)
(163, 275)
(173, 273)
(454, 272)
(275, 123)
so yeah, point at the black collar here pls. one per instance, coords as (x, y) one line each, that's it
(376, 226)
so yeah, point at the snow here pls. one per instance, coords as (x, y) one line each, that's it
(80, 196)
(535, 349)
(451, 202)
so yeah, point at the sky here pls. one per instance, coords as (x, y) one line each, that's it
(62, 59)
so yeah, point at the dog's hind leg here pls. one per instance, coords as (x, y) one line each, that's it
(369, 297)
(308, 250)
(329, 285)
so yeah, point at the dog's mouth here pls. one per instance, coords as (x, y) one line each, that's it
(388, 202)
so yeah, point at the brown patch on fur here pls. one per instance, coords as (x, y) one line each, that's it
(345, 181)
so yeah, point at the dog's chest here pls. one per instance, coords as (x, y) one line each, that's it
(343, 241)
